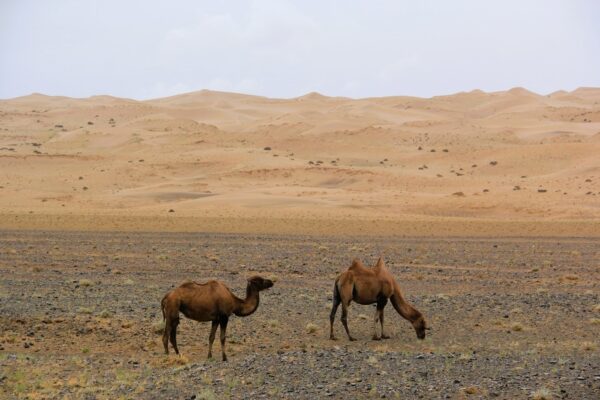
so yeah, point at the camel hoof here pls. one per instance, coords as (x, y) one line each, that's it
(385, 337)
(332, 338)
(209, 356)
(376, 338)
(351, 339)
(225, 358)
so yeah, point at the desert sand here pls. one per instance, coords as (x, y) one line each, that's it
(505, 163)
(226, 186)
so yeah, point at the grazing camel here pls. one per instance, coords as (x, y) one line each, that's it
(210, 301)
(372, 285)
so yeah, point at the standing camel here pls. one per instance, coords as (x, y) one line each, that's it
(210, 301)
(372, 285)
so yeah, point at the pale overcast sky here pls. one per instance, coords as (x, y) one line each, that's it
(278, 48)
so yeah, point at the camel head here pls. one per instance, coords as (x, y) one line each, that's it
(420, 326)
(259, 283)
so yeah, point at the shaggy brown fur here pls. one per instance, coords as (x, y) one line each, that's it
(369, 286)
(210, 301)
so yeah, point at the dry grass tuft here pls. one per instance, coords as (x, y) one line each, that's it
(568, 278)
(597, 308)
(206, 394)
(363, 317)
(85, 310)
(105, 314)
(471, 390)
(589, 346)
(595, 321)
(273, 323)
(541, 394)
(517, 327)
(85, 282)
(174, 360)
(311, 328)
(158, 327)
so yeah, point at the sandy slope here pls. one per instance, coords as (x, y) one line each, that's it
(474, 156)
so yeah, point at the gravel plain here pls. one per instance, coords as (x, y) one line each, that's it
(510, 317)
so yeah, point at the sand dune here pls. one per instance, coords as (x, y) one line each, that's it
(488, 156)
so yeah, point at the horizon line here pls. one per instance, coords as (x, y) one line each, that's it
(305, 95)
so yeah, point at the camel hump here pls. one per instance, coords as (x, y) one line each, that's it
(191, 284)
(187, 284)
(356, 264)
(380, 263)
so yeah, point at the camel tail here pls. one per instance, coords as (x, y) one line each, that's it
(336, 292)
(162, 306)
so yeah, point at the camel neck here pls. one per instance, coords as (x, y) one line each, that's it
(249, 304)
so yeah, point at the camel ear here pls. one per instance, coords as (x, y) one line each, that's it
(380, 262)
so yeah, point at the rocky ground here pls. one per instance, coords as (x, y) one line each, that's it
(511, 318)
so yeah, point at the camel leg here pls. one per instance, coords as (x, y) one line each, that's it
(375, 320)
(381, 303)
(345, 319)
(336, 303)
(173, 333)
(211, 337)
(345, 292)
(223, 323)
(165, 337)
(383, 335)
